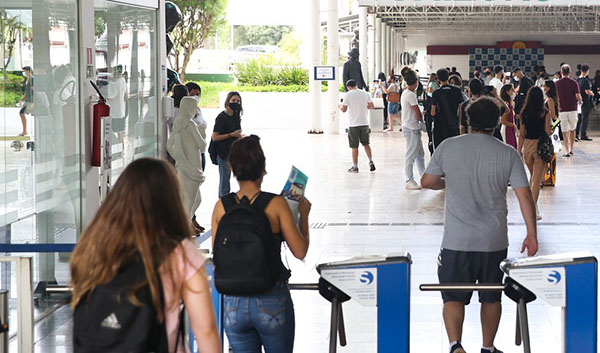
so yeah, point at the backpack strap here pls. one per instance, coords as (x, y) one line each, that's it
(229, 201)
(263, 200)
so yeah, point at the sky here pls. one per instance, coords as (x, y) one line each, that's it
(265, 12)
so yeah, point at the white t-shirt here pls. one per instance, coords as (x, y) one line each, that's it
(496, 82)
(409, 116)
(356, 100)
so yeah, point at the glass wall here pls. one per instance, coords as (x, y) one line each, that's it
(40, 147)
(126, 74)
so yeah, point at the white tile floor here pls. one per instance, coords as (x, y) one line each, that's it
(395, 220)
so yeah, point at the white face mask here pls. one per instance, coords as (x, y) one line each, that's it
(516, 78)
(513, 95)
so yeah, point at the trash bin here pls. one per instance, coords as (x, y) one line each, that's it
(376, 115)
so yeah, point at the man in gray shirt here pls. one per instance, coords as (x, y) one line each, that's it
(475, 169)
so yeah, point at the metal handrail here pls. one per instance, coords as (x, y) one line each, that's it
(458, 287)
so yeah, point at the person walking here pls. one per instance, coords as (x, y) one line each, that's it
(228, 128)
(585, 90)
(184, 146)
(412, 118)
(509, 129)
(264, 319)
(356, 102)
(475, 169)
(444, 109)
(498, 77)
(475, 90)
(432, 84)
(382, 86)
(27, 100)
(536, 121)
(551, 100)
(393, 92)
(141, 232)
(568, 98)
(522, 86)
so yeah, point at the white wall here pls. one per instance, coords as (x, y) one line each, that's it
(461, 62)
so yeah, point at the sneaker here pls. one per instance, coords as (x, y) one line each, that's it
(586, 139)
(538, 216)
(353, 169)
(576, 139)
(457, 348)
(496, 350)
(571, 153)
(372, 166)
(412, 185)
(566, 155)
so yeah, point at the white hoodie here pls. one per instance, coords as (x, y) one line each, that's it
(186, 142)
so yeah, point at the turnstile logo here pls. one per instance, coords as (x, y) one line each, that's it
(554, 277)
(367, 278)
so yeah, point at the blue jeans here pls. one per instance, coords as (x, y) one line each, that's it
(265, 320)
(224, 176)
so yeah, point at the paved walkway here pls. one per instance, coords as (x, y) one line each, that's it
(371, 213)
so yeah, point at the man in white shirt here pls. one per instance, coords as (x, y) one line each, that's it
(497, 80)
(356, 102)
(411, 128)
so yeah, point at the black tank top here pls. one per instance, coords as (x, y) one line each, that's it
(534, 126)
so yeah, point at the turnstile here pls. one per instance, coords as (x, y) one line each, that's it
(569, 281)
(379, 281)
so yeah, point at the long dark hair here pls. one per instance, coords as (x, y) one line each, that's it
(381, 76)
(504, 92)
(143, 217)
(534, 104)
(552, 92)
(179, 91)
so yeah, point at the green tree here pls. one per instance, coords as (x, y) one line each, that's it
(10, 27)
(260, 35)
(200, 20)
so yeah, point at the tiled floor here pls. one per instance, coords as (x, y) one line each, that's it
(371, 213)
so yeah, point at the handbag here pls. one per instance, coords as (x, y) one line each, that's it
(393, 97)
(545, 148)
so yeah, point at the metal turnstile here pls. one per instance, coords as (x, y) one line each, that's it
(379, 281)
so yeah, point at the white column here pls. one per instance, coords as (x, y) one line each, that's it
(314, 40)
(377, 46)
(333, 58)
(364, 42)
(389, 49)
(371, 47)
(383, 47)
(392, 49)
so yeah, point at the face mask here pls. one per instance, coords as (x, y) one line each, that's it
(236, 107)
(197, 98)
(516, 79)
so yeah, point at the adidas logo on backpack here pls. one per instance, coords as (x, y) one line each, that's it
(111, 322)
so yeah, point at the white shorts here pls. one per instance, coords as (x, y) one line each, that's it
(568, 121)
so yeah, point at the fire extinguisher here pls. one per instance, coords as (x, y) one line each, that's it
(101, 110)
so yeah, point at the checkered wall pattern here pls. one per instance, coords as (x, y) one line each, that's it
(526, 59)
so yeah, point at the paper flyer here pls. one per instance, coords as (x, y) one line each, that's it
(294, 189)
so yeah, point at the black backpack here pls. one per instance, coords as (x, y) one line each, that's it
(246, 254)
(107, 321)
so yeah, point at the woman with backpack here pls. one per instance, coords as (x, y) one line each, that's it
(135, 264)
(535, 119)
(228, 128)
(248, 229)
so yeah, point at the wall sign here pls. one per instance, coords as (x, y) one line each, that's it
(324, 73)
(476, 2)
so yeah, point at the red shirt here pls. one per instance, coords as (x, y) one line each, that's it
(567, 90)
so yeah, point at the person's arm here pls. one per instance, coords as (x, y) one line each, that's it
(521, 138)
(433, 109)
(417, 111)
(343, 108)
(548, 124)
(370, 105)
(527, 205)
(218, 212)
(198, 302)
(220, 137)
(297, 239)
(433, 182)
(505, 121)
(552, 109)
(578, 96)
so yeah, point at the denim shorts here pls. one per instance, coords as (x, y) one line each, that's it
(393, 108)
(263, 320)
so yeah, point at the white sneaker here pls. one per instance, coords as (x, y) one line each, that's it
(412, 185)
(538, 216)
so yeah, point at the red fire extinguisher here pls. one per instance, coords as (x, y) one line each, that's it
(101, 110)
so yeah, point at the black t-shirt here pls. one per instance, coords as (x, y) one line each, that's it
(524, 86)
(452, 96)
(225, 124)
(585, 85)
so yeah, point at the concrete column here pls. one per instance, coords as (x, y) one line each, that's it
(377, 45)
(314, 45)
(333, 59)
(364, 42)
(384, 47)
(371, 47)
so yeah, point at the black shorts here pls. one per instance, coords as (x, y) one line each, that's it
(471, 267)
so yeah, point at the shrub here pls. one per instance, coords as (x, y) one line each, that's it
(256, 73)
(10, 89)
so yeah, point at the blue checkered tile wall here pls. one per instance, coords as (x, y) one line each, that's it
(526, 59)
